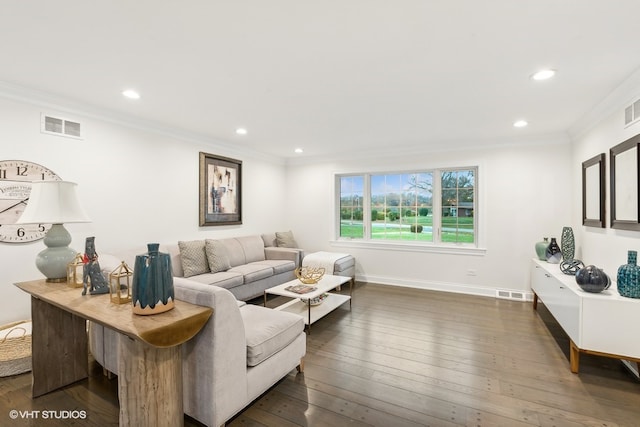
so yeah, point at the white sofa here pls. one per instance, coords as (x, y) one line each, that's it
(243, 349)
(246, 270)
(243, 265)
(241, 352)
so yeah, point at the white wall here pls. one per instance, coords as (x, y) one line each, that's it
(137, 187)
(140, 186)
(524, 195)
(604, 247)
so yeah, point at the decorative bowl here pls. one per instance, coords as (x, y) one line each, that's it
(315, 301)
(309, 275)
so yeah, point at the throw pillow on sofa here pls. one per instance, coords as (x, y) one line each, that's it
(193, 257)
(217, 256)
(284, 239)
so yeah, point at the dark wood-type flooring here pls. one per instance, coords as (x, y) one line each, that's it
(405, 357)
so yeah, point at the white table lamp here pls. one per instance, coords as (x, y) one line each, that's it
(56, 203)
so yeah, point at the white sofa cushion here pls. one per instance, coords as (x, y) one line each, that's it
(194, 257)
(217, 256)
(278, 265)
(269, 240)
(252, 272)
(268, 331)
(223, 279)
(285, 239)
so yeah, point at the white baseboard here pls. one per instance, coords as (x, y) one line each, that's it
(461, 288)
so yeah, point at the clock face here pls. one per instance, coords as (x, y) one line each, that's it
(15, 186)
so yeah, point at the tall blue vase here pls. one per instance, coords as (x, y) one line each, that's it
(629, 277)
(152, 288)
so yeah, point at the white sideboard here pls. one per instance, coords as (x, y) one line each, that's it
(603, 324)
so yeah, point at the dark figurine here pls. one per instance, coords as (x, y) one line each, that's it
(92, 277)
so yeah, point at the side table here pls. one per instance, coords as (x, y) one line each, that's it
(150, 358)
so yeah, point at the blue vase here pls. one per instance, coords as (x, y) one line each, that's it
(152, 288)
(553, 252)
(592, 279)
(629, 277)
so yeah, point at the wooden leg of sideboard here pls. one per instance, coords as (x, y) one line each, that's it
(535, 301)
(574, 358)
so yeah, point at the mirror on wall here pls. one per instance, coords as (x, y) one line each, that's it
(624, 185)
(593, 191)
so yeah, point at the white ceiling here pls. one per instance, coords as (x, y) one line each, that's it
(328, 76)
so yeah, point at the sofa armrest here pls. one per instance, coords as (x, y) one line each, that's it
(214, 362)
(290, 254)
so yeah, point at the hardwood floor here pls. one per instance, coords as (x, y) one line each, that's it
(406, 357)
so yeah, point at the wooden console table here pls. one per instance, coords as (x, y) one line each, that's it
(150, 358)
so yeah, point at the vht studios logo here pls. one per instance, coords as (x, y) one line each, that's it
(44, 415)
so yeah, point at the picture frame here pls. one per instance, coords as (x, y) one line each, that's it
(624, 178)
(220, 201)
(593, 192)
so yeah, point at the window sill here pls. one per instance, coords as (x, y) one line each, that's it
(411, 247)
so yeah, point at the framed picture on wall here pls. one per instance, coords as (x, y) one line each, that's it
(593, 191)
(625, 178)
(220, 190)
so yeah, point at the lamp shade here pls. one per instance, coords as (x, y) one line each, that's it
(53, 202)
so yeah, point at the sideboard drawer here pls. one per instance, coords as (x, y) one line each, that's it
(560, 300)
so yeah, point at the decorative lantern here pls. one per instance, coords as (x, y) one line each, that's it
(75, 270)
(120, 284)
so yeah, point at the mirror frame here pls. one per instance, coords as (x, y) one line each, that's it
(630, 143)
(599, 162)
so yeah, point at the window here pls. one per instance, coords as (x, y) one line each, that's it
(431, 207)
(401, 207)
(351, 206)
(458, 206)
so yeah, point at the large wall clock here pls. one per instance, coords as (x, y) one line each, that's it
(15, 186)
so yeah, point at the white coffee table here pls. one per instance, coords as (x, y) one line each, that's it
(311, 313)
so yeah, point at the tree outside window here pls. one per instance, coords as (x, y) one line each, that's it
(436, 206)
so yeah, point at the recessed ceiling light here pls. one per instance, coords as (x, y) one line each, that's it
(520, 123)
(299, 150)
(241, 131)
(131, 94)
(543, 74)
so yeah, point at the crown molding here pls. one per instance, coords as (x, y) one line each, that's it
(61, 104)
(364, 153)
(615, 102)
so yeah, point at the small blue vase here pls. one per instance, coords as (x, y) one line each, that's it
(553, 252)
(629, 277)
(152, 288)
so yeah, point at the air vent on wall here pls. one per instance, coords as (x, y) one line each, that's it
(59, 126)
(632, 113)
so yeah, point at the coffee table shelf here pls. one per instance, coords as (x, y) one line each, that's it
(332, 302)
(311, 313)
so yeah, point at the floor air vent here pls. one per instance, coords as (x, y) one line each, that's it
(61, 127)
(514, 295)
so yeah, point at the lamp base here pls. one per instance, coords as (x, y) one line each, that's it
(53, 260)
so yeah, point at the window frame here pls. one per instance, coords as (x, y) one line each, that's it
(437, 245)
